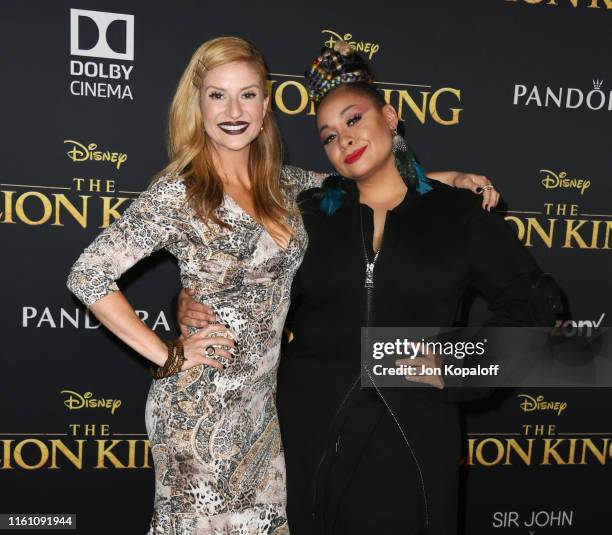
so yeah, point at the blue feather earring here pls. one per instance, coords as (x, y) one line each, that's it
(408, 166)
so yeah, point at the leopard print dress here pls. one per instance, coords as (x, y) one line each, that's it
(214, 435)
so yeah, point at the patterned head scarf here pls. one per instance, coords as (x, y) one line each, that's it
(336, 66)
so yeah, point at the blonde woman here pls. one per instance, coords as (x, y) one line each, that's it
(225, 208)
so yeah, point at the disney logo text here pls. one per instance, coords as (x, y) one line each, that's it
(538, 404)
(360, 46)
(77, 401)
(552, 181)
(82, 153)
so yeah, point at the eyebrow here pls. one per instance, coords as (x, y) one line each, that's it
(341, 114)
(221, 89)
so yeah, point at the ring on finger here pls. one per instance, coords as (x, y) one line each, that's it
(487, 187)
(210, 351)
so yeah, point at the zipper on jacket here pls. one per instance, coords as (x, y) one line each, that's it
(369, 280)
(322, 459)
(369, 291)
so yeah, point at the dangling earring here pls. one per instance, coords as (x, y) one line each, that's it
(399, 143)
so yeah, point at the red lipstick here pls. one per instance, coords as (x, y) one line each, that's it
(354, 156)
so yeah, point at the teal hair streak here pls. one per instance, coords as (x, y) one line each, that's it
(412, 172)
(332, 195)
(424, 185)
(407, 165)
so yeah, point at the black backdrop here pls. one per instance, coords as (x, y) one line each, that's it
(518, 90)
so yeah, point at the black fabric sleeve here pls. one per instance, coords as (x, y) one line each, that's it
(518, 293)
(503, 270)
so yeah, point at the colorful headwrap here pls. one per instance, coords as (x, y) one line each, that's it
(343, 65)
(336, 66)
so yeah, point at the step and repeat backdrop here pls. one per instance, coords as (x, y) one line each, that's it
(518, 90)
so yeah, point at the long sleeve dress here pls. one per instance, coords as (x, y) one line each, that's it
(386, 460)
(214, 435)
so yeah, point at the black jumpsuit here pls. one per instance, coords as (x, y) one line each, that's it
(360, 461)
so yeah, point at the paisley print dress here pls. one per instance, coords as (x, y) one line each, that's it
(214, 435)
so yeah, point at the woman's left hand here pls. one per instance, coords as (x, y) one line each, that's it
(480, 185)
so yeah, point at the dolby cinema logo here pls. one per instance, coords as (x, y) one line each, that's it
(98, 41)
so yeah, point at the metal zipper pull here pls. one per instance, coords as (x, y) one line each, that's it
(369, 278)
(369, 275)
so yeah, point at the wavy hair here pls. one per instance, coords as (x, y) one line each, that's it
(192, 153)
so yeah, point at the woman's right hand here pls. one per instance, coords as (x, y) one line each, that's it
(195, 346)
(418, 365)
(190, 313)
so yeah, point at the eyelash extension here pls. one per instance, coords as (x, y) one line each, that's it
(354, 119)
(216, 95)
(328, 139)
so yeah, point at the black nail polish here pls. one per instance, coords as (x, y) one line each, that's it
(478, 189)
(225, 366)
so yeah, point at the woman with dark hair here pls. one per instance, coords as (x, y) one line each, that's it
(387, 247)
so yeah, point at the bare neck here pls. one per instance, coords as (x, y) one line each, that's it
(233, 167)
(385, 188)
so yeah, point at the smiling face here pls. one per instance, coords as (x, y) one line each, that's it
(233, 105)
(356, 133)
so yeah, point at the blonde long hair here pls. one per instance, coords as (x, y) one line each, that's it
(191, 151)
